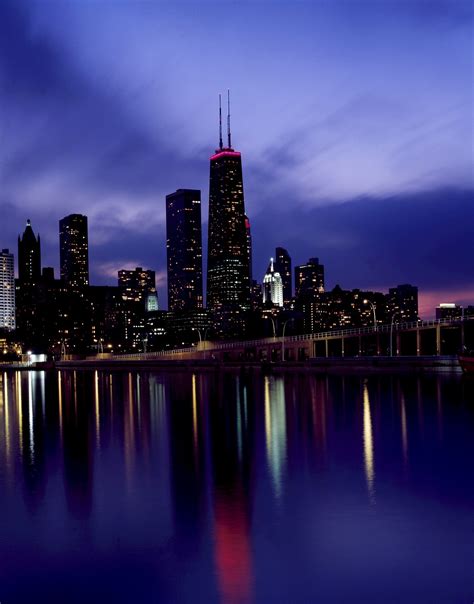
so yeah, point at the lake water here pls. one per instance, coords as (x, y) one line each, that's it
(216, 488)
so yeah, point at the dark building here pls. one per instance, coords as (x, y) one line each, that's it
(228, 270)
(74, 250)
(449, 311)
(249, 247)
(136, 284)
(309, 279)
(29, 276)
(29, 256)
(402, 302)
(107, 326)
(184, 250)
(341, 309)
(283, 266)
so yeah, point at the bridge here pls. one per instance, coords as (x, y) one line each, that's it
(419, 338)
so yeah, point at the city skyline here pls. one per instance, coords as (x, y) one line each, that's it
(394, 213)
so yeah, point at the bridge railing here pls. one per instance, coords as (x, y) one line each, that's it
(353, 331)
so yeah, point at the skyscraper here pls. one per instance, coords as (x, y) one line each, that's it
(7, 291)
(29, 256)
(228, 270)
(184, 249)
(272, 286)
(74, 250)
(283, 266)
(309, 279)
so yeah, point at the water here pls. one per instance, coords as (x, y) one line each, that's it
(214, 488)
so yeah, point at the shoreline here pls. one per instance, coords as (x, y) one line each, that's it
(447, 364)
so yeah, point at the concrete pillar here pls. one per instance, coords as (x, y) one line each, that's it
(342, 346)
(438, 340)
(418, 342)
(327, 347)
(397, 344)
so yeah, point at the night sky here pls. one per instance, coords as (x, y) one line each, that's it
(354, 120)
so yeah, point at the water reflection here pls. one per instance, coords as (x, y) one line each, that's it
(231, 449)
(403, 417)
(275, 429)
(238, 489)
(368, 445)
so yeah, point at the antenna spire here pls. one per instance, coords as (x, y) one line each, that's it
(220, 123)
(229, 144)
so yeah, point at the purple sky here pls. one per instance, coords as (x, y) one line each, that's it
(354, 120)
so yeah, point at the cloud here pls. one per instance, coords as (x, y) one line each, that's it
(354, 123)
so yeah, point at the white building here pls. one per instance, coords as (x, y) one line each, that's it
(272, 286)
(7, 290)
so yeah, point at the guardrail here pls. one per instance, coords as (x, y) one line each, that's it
(222, 346)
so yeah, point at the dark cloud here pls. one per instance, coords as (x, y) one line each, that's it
(71, 141)
(425, 238)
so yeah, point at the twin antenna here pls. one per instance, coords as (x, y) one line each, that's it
(229, 145)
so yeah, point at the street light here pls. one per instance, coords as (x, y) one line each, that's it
(391, 333)
(199, 334)
(373, 310)
(283, 339)
(274, 326)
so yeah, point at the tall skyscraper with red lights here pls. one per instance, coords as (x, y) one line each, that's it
(228, 270)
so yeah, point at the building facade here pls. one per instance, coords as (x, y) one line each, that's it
(309, 279)
(272, 286)
(283, 266)
(184, 250)
(7, 291)
(29, 256)
(74, 250)
(402, 302)
(136, 284)
(449, 311)
(228, 270)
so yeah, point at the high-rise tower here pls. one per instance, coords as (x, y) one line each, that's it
(228, 270)
(309, 279)
(29, 256)
(272, 286)
(184, 249)
(74, 250)
(283, 266)
(7, 291)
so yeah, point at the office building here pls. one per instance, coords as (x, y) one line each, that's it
(309, 279)
(184, 250)
(74, 250)
(272, 287)
(402, 303)
(228, 269)
(283, 266)
(449, 311)
(7, 291)
(29, 256)
(135, 285)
